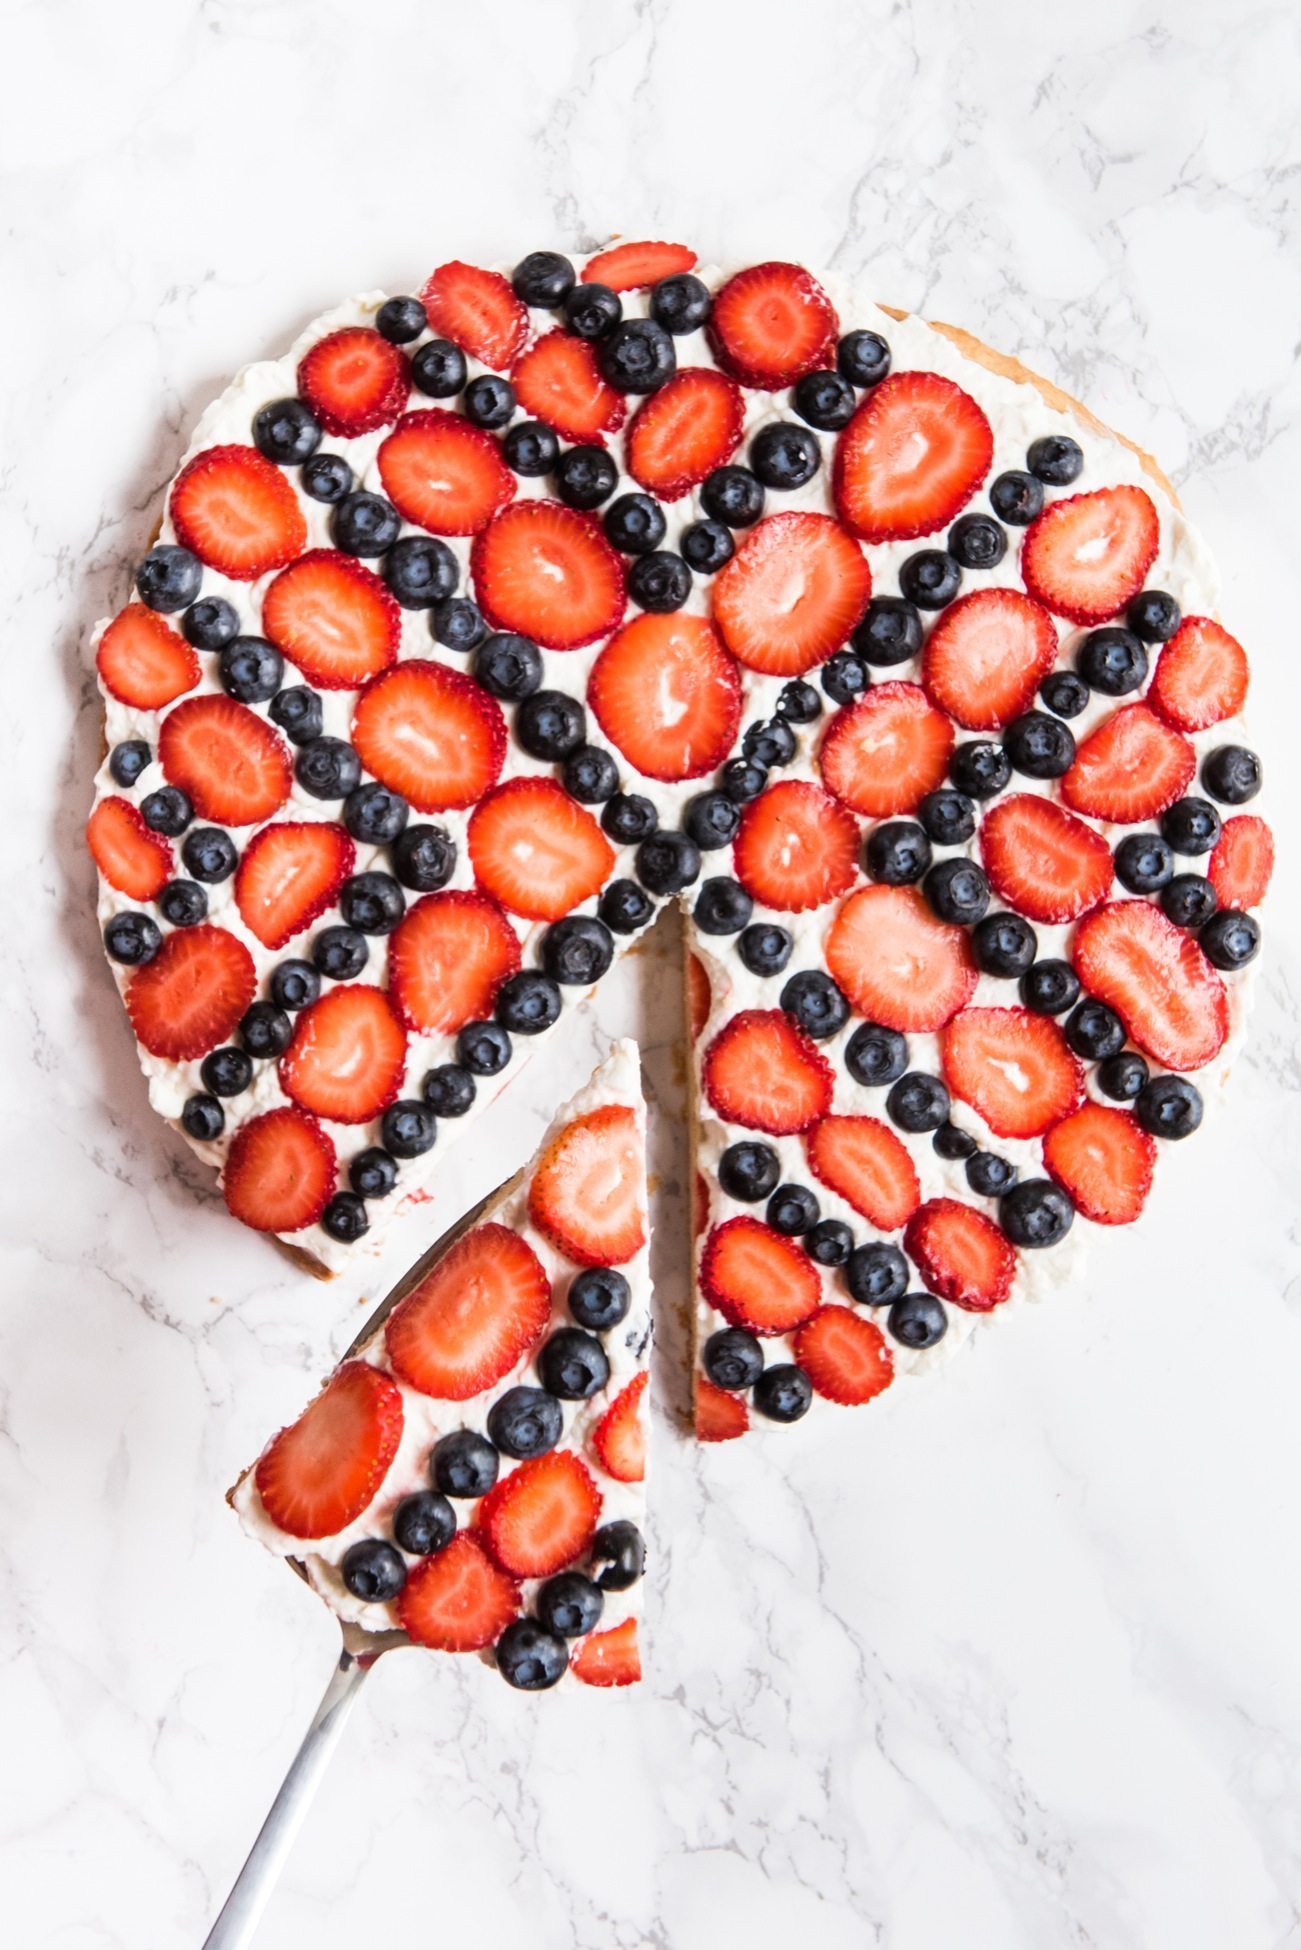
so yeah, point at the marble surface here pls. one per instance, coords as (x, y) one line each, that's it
(1009, 1660)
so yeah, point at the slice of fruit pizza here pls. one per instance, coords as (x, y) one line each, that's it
(472, 1474)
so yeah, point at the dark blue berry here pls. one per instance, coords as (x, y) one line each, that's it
(816, 1004)
(976, 542)
(464, 1464)
(1189, 900)
(712, 820)
(930, 578)
(528, 1002)
(509, 667)
(875, 1055)
(618, 1555)
(373, 903)
(420, 571)
(599, 1297)
(340, 953)
(1153, 615)
(372, 1173)
(897, 853)
(1064, 692)
(328, 768)
(957, 890)
(749, 1170)
(666, 863)
(327, 477)
(530, 1658)
(457, 624)
(890, 632)
(770, 744)
(544, 279)
(1016, 497)
(624, 907)
(550, 725)
(592, 310)
(742, 780)
(918, 1320)
(1230, 939)
(1169, 1107)
(251, 669)
(784, 456)
(577, 950)
(203, 1118)
(585, 477)
(167, 811)
(1145, 862)
(573, 1365)
(863, 358)
(408, 1128)
(798, 702)
(876, 1274)
(423, 1523)
(733, 496)
(183, 904)
(1004, 945)
(483, 1047)
(825, 400)
(226, 1072)
(1191, 825)
(980, 768)
(209, 854)
(590, 775)
(680, 303)
(530, 449)
(438, 368)
(845, 676)
(706, 546)
(364, 523)
(210, 623)
(792, 1209)
(634, 524)
(988, 1175)
(373, 1571)
(1035, 1213)
(525, 1422)
(949, 817)
(732, 1359)
(1041, 746)
(1055, 459)
(629, 817)
(570, 1605)
(489, 401)
(952, 1143)
(765, 948)
(829, 1242)
(659, 582)
(448, 1090)
(783, 1393)
(636, 356)
(128, 760)
(424, 858)
(399, 320)
(1050, 987)
(1112, 661)
(722, 906)
(287, 432)
(299, 714)
(1094, 1031)
(295, 984)
(918, 1102)
(1122, 1076)
(169, 577)
(345, 1217)
(375, 815)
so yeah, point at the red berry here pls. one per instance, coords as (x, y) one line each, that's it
(609, 1658)
(143, 661)
(861, 1159)
(318, 1475)
(447, 957)
(190, 997)
(227, 760)
(1170, 999)
(557, 379)
(348, 1055)
(354, 380)
(1044, 862)
(763, 1072)
(237, 513)
(1201, 676)
(1131, 768)
(686, 429)
(668, 695)
(911, 458)
(458, 1600)
(791, 594)
(1104, 1159)
(699, 996)
(1086, 556)
(1013, 1067)
(444, 474)
(134, 860)
(588, 1195)
(720, 1417)
(1243, 861)
(898, 965)
(757, 1279)
(619, 1438)
(961, 1254)
(986, 656)
(541, 1517)
(280, 1172)
(771, 324)
(472, 1318)
(631, 267)
(846, 1357)
(334, 619)
(884, 753)
(548, 573)
(478, 311)
(536, 851)
(289, 874)
(431, 734)
(796, 848)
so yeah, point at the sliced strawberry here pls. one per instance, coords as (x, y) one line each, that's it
(897, 964)
(1013, 1067)
(1170, 999)
(791, 594)
(541, 1517)
(290, 874)
(1104, 1159)
(795, 847)
(846, 1357)
(444, 474)
(280, 1171)
(549, 574)
(619, 1438)
(237, 512)
(1044, 862)
(536, 851)
(318, 1475)
(882, 755)
(631, 267)
(699, 996)
(478, 311)
(334, 619)
(1201, 676)
(458, 1600)
(588, 1195)
(911, 458)
(961, 1254)
(684, 431)
(984, 659)
(354, 380)
(1243, 861)
(431, 734)
(557, 379)
(472, 1318)
(1131, 768)
(143, 661)
(763, 1072)
(863, 1160)
(226, 759)
(347, 1056)
(134, 860)
(771, 324)
(1085, 557)
(609, 1658)
(192, 994)
(447, 957)
(757, 1278)
(720, 1417)
(668, 695)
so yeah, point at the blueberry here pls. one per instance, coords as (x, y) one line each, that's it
(203, 1118)
(765, 948)
(328, 768)
(251, 669)
(525, 1422)
(783, 1392)
(706, 546)
(1055, 459)
(345, 1217)
(628, 817)
(509, 667)
(1144, 862)
(373, 903)
(294, 984)
(930, 578)
(210, 623)
(577, 950)
(824, 400)
(408, 1128)
(798, 702)
(949, 817)
(845, 676)
(448, 1090)
(792, 1209)
(733, 496)
(980, 768)
(1004, 945)
(749, 1170)
(949, 1142)
(226, 1072)
(1050, 987)
(327, 477)
(128, 760)
(464, 1464)
(624, 907)
(636, 356)
(527, 1003)
(712, 819)
(722, 906)
(897, 853)
(373, 1173)
(1016, 497)
(399, 320)
(1039, 745)
(918, 1320)
(680, 303)
(489, 401)
(1035, 1213)
(957, 890)
(770, 744)
(659, 582)
(364, 523)
(1122, 1076)
(1094, 1031)
(742, 780)
(375, 815)
(573, 1365)
(585, 477)
(373, 1571)
(1230, 939)
(483, 1047)
(438, 368)
(299, 714)
(169, 577)
(287, 432)
(976, 542)
(529, 1657)
(167, 811)
(457, 625)
(1064, 692)
(183, 904)
(816, 1003)
(592, 310)
(890, 632)
(340, 953)
(423, 1523)
(550, 725)
(590, 775)
(1189, 900)
(1191, 825)
(875, 1055)
(732, 1359)
(1169, 1107)
(784, 456)
(918, 1102)
(424, 858)
(530, 449)
(635, 524)
(1153, 615)
(543, 278)
(1231, 775)
(863, 358)
(666, 863)
(420, 571)
(989, 1176)
(570, 1605)
(599, 1297)
(1112, 661)
(618, 1555)
(876, 1274)
(265, 1030)
(829, 1242)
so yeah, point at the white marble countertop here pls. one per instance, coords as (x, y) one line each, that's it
(1006, 1661)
